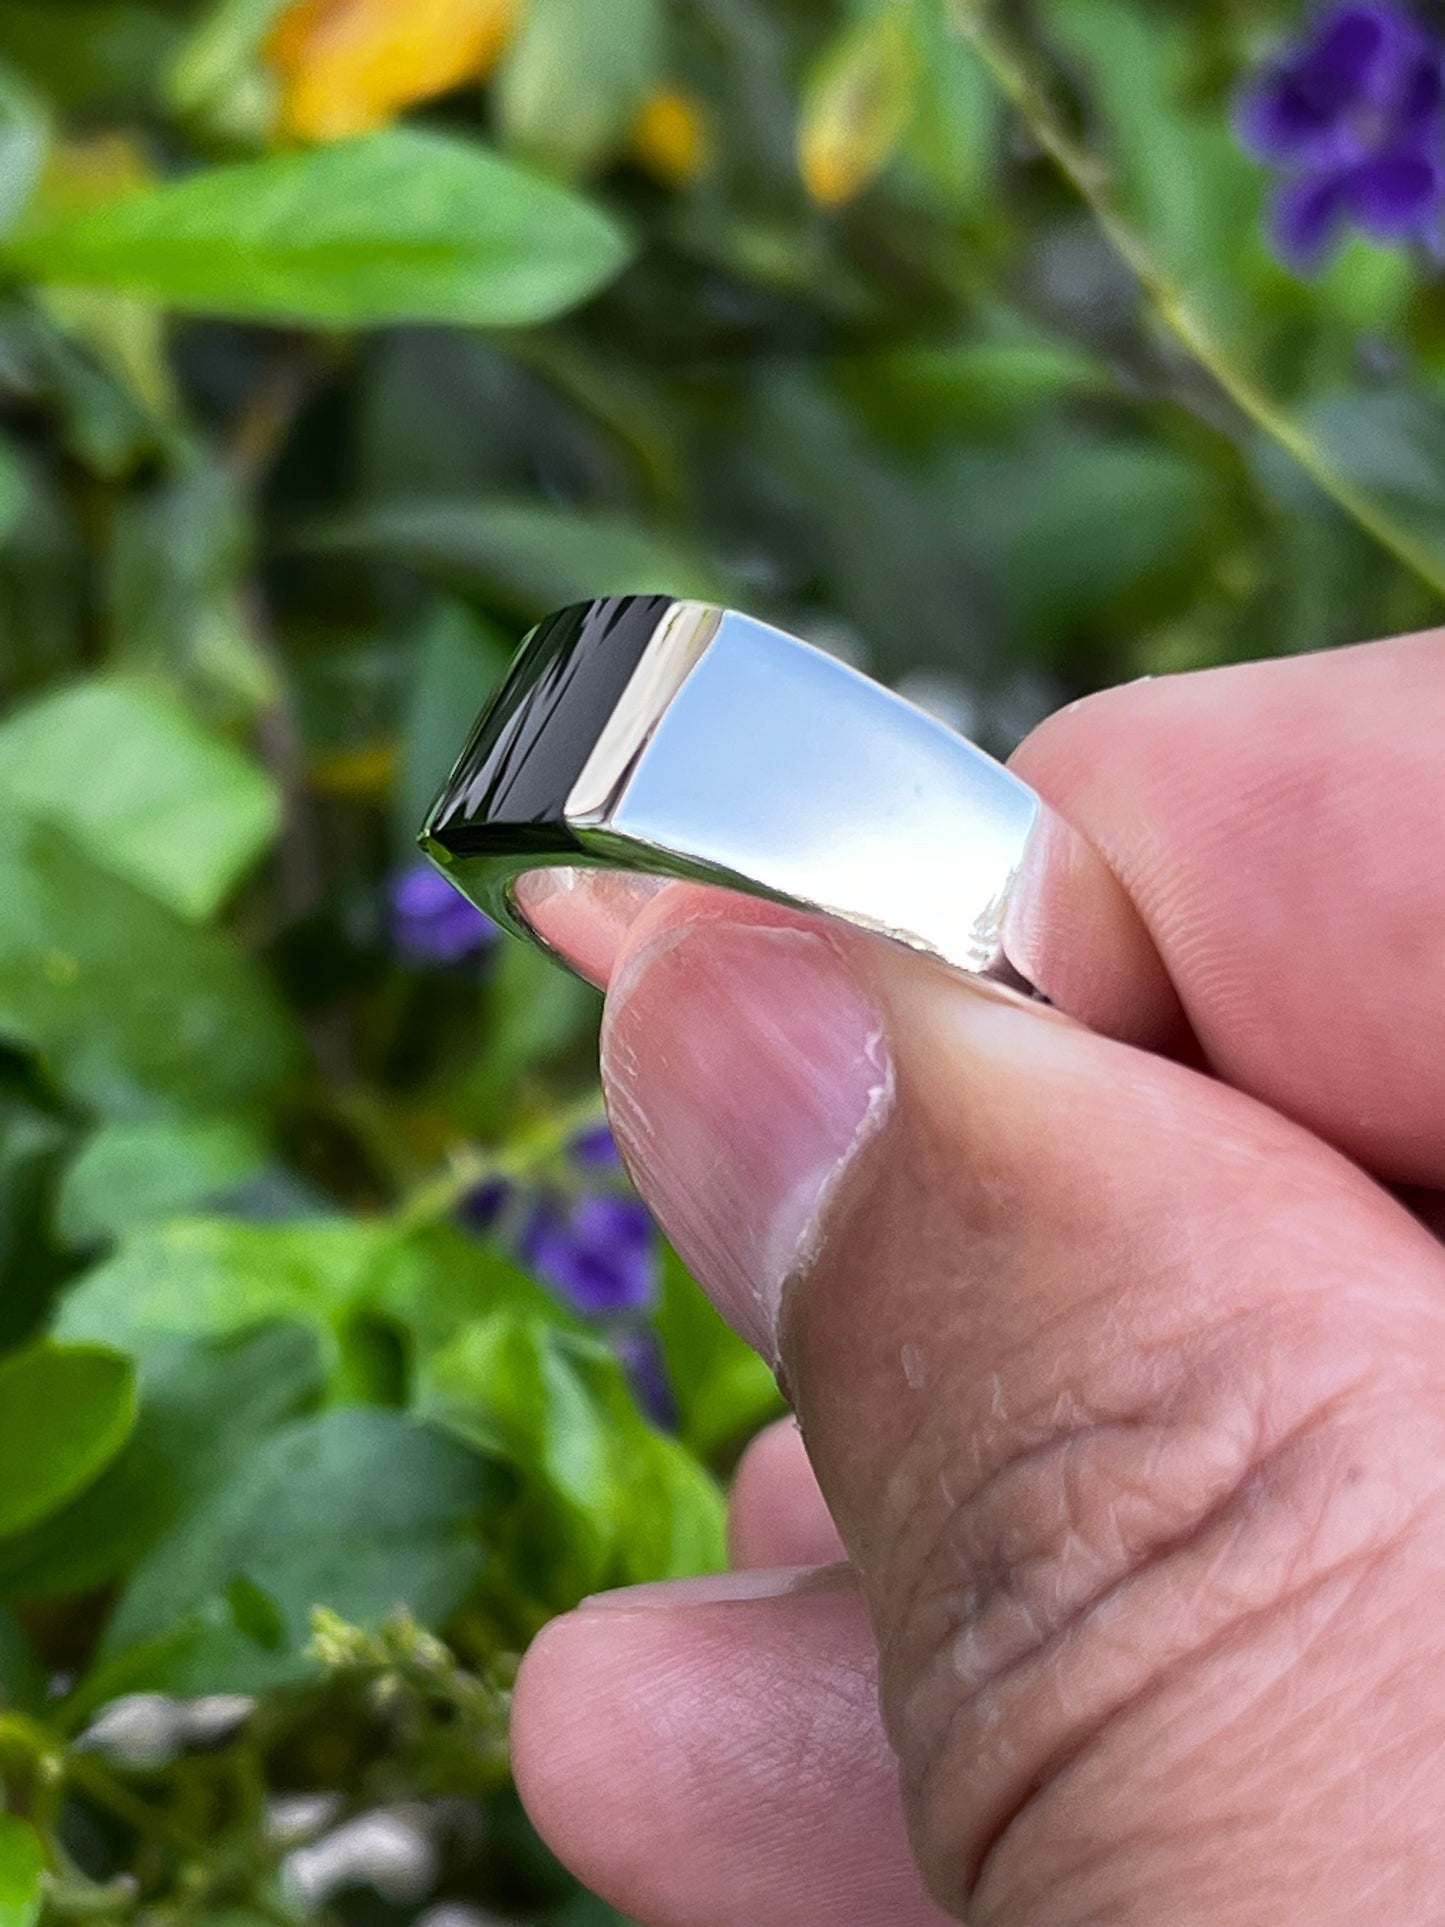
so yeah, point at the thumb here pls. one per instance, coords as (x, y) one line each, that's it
(1128, 1397)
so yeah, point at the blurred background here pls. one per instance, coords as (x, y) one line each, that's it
(1008, 353)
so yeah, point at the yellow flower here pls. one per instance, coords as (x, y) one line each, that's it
(856, 106)
(349, 65)
(671, 138)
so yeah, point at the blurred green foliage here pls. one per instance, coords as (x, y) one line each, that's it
(950, 342)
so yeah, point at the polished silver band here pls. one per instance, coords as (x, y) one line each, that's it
(676, 739)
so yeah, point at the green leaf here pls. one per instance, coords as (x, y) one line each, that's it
(419, 398)
(181, 555)
(65, 1411)
(725, 1392)
(204, 1407)
(531, 557)
(22, 1872)
(22, 1676)
(24, 145)
(400, 226)
(33, 1142)
(894, 551)
(99, 421)
(955, 134)
(1326, 582)
(209, 1277)
(126, 337)
(858, 98)
(141, 788)
(1391, 444)
(575, 77)
(128, 1007)
(1367, 289)
(14, 490)
(677, 1518)
(362, 1510)
(216, 68)
(606, 1501)
(129, 1173)
(934, 394)
(42, 571)
(1078, 530)
(371, 1294)
(533, 1014)
(1191, 188)
(507, 1378)
(442, 1279)
(460, 659)
(95, 54)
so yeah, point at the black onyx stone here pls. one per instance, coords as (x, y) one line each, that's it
(511, 783)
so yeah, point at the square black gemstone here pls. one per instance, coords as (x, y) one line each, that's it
(510, 786)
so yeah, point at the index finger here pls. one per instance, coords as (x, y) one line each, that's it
(1278, 827)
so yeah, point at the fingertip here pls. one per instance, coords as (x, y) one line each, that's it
(1268, 820)
(717, 1763)
(778, 1516)
(1074, 932)
(574, 1720)
(551, 1687)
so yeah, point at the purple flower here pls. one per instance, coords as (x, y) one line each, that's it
(484, 1204)
(432, 924)
(1353, 120)
(599, 1254)
(640, 1356)
(594, 1148)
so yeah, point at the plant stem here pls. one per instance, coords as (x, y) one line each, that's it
(269, 414)
(440, 1196)
(91, 1776)
(1089, 177)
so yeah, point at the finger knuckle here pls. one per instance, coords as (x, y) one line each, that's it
(1072, 1555)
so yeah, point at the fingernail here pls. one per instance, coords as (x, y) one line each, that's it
(745, 1070)
(585, 914)
(724, 1588)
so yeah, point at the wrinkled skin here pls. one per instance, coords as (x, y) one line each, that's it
(1111, 1589)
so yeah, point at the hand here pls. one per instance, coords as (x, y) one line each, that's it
(1122, 1371)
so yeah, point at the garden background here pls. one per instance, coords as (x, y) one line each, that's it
(339, 339)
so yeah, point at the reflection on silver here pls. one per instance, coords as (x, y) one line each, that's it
(675, 739)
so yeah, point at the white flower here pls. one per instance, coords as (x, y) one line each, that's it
(389, 1850)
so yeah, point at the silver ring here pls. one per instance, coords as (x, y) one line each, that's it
(667, 739)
